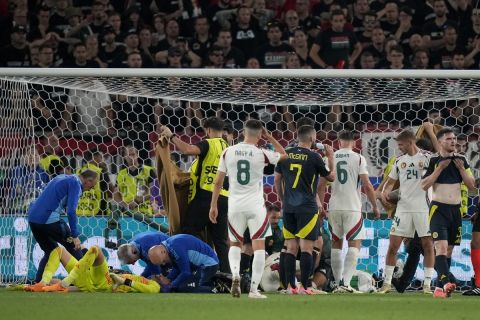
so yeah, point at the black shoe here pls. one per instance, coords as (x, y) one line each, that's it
(472, 292)
(398, 285)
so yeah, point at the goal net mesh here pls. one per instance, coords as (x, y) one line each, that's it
(52, 125)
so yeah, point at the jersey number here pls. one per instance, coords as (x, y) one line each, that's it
(243, 172)
(342, 174)
(412, 173)
(298, 167)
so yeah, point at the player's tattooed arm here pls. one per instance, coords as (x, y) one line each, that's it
(331, 164)
(466, 174)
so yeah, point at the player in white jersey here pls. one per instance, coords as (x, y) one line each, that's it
(411, 214)
(244, 164)
(345, 210)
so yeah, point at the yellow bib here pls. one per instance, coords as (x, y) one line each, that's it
(203, 171)
(89, 202)
(130, 187)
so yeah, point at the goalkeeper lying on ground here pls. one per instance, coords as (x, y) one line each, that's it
(91, 274)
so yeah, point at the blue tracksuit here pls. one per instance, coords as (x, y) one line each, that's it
(61, 193)
(143, 242)
(188, 255)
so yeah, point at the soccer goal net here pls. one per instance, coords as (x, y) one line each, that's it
(56, 121)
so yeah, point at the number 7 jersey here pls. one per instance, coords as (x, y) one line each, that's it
(345, 189)
(244, 164)
(300, 174)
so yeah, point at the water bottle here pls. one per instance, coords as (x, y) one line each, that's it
(320, 146)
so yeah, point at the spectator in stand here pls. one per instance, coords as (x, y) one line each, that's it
(472, 60)
(52, 156)
(99, 17)
(262, 14)
(132, 44)
(110, 48)
(17, 53)
(43, 27)
(183, 11)
(91, 44)
(58, 19)
(202, 38)
(421, 59)
(458, 60)
(292, 61)
(174, 58)
(77, 29)
(216, 57)
(25, 182)
(134, 183)
(273, 53)
(307, 20)
(146, 43)
(292, 24)
(301, 47)
(377, 49)
(367, 61)
(435, 117)
(336, 47)
(48, 103)
(360, 10)
(415, 43)
(115, 23)
(369, 22)
(442, 59)
(253, 63)
(391, 22)
(405, 29)
(396, 58)
(172, 31)
(80, 58)
(158, 33)
(19, 18)
(470, 30)
(232, 56)
(246, 33)
(457, 120)
(133, 19)
(433, 30)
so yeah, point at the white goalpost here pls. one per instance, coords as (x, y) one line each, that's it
(56, 120)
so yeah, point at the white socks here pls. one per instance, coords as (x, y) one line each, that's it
(337, 264)
(350, 265)
(258, 265)
(388, 274)
(234, 256)
(428, 272)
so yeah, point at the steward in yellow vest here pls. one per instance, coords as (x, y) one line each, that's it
(95, 200)
(202, 173)
(134, 183)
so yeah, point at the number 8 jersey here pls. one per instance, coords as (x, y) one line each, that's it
(345, 189)
(244, 164)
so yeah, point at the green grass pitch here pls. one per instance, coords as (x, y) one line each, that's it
(105, 306)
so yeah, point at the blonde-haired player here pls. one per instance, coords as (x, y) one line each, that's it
(345, 210)
(412, 209)
(244, 164)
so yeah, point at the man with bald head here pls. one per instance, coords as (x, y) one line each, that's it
(193, 263)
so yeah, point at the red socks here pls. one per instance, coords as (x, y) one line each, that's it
(476, 265)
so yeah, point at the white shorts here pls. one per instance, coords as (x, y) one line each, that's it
(255, 220)
(405, 224)
(346, 223)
